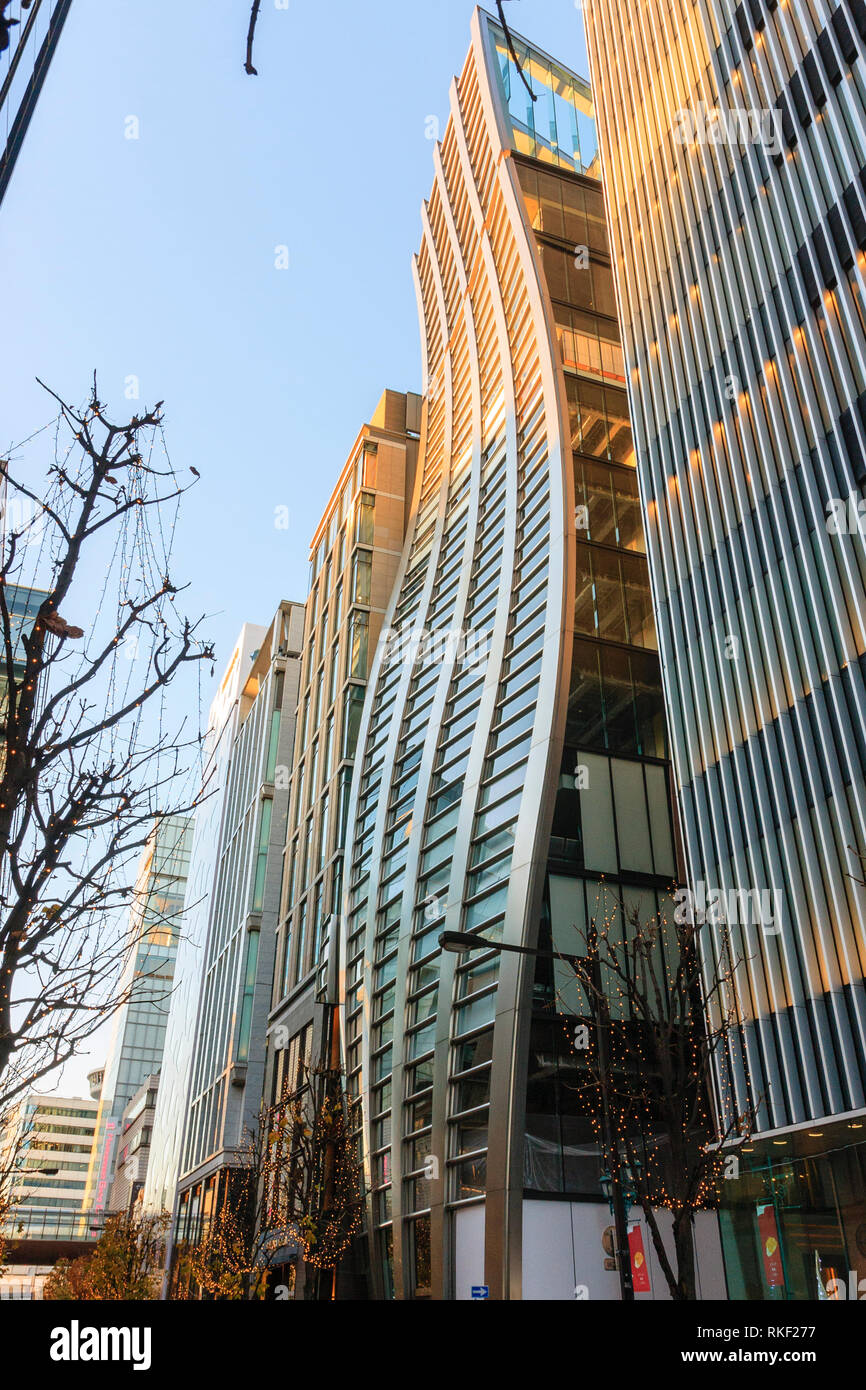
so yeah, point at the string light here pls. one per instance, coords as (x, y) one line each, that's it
(655, 1094)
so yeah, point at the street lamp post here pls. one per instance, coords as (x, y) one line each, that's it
(459, 942)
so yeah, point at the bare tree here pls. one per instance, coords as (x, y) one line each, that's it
(88, 762)
(661, 1030)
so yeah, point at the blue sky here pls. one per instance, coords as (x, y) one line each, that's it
(155, 257)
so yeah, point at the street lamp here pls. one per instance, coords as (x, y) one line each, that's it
(458, 942)
(627, 1183)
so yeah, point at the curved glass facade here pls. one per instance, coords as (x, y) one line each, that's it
(514, 710)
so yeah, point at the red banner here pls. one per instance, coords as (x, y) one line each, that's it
(771, 1251)
(639, 1269)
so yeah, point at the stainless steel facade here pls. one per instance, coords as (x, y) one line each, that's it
(734, 148)
(487, 698)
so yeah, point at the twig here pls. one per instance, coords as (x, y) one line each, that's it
(511, 49)
(251, 33)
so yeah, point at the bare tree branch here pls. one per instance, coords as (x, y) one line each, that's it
(251, 33)
(511, 49)
(87, 763)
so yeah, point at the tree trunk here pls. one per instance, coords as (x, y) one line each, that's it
(684, 1245)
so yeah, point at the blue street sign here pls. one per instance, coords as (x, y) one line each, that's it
(480, 1290)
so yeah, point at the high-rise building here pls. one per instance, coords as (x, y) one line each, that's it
(224, 719)
(22, 607)
(734, 149)
(512, 767)
(138, 1029)
(241, 848)
(354, 555)
(45, 1144)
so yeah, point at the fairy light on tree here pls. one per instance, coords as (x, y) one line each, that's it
(314, 1175)
(294, 1184)
(657, 1086)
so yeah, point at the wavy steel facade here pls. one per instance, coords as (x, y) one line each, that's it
(461, 747)
(741, 275)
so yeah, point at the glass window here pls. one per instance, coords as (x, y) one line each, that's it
(471, 1091)
(419, 1256)
(358, 637)
(596, 814)
(366, 507)
(262, 855)
(362, 570)
(475, 1013)
(420, 1111)
(470, 1178)
(370, 459)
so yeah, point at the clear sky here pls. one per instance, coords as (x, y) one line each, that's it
(155, 257)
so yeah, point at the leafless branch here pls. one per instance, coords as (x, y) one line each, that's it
(511, 49)
(88, 765)
(251, 33)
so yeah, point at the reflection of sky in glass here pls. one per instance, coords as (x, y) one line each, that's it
(559, 126)
(23, 605)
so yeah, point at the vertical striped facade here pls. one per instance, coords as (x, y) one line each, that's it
(739, 251)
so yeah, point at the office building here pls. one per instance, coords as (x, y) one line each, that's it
(354, 555)
(138, 1028)
(22, 605)
(46, 1143)
(734, 147)
(222, 726)
(513, 761)
(45, 1147)
(220, 1113)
